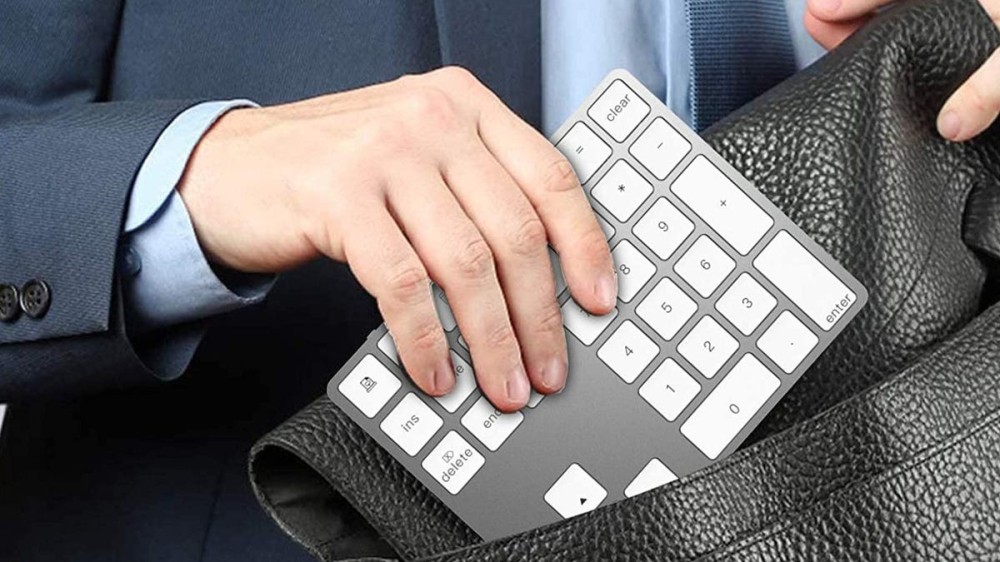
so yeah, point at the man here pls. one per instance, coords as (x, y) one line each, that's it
(128, 221)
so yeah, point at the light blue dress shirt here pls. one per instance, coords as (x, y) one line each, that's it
(168, 279)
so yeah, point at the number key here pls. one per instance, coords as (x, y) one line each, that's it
(628, 351)
(669, 389)
(708, 346)
(704, 266)
(666, 309)
(746, 304)
(633, 269)
(663, 228)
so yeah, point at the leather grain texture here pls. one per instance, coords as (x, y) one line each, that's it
(886, 448)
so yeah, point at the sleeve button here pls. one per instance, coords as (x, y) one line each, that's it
(36, 297)
(9, 305)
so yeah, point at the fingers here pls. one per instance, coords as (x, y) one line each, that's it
(829, 34)
(388, 267)
(551, 185)
(514, 231)
(844, 10)
(461, 261)
(548, 181)
(975, 105)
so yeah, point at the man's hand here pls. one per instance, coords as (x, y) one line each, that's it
(969, 111)
(427, 177)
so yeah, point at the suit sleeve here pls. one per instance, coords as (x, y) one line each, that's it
(67, 163)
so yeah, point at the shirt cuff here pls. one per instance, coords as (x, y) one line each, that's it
(166, 277)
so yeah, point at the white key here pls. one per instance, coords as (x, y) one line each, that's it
(584, 325)
(618, 111)
(660, 148)
(609, 231)
(465, 383)
(730, 406)
(708, 346)
(369, 386)
(654, 475)
(723, 205)
(411, 424)
(585, 151)
(491, 426)
(666, 309)
(388, 347)
(669, 389)
(804, 280)
(746, 304)
(453, 462)
(557, 273)
(633, 270)
(535, 398)
(663, 228)
(704, 266)
(787, 342)
(622, 190)
(628, 351)
(575, 493)
(444, 312)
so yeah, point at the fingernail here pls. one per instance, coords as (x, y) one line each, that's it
(444, 379)
(827, 6)
(607, 289)
(950, 125)
(518, 388)
(554, 374)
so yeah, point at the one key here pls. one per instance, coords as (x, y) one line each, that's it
(585, 151)
(411, 424)
(575, 492)
(369, 386)
(666, 309)
(584, 325)
(728, 409)
(453, 462)
(725, 207)
(708, 346)
(388, 347)
(444, 312)
(669, 389)
(465, 384)
(787, 342)
(628, 351)
(491, 426)
(618, 111)
(622, 190)
(746, 304)
(705, 266)
(654, 475)
(660, 148)
(804, 280)
(633, 270)
(663, 228)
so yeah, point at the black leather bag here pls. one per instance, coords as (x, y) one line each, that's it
(887, 449)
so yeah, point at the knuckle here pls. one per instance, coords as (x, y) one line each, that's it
(409, 285)
(475, 259)
(530, 236)
(457, 76)
(431, 106)
(561, 177)
(501, 337)
(595, 244)
(426, 337)
(549, 320)
(380, 136)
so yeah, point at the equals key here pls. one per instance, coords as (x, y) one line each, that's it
(585, 151)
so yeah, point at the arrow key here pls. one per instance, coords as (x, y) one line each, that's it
(575, 493)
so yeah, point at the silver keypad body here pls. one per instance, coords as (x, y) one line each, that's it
(629, 419)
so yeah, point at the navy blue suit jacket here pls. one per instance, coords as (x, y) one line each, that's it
(98, 460)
